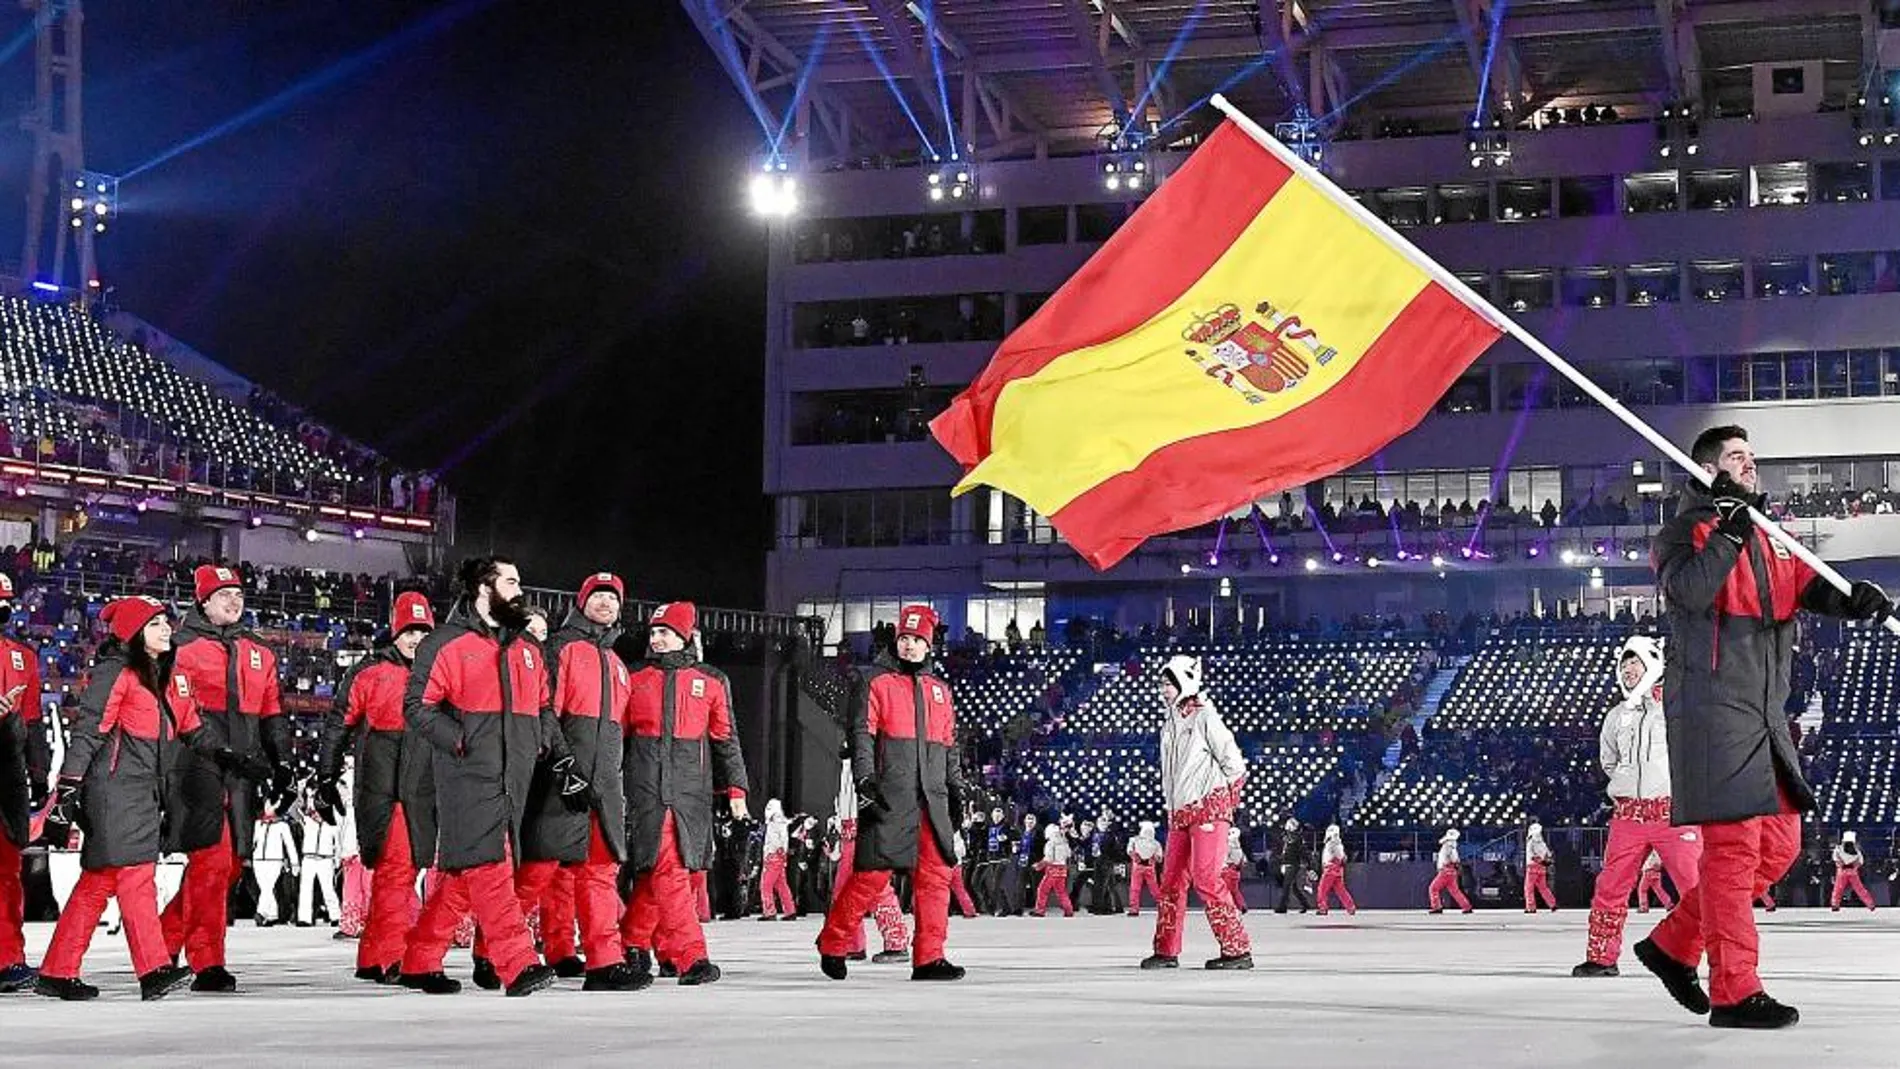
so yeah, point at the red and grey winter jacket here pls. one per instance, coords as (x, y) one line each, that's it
(367, 718)
(681, 751)
(588, 696)
(26, 756)
(1731, 649)
(234, 677)
(904, 733)
(476, 694)
(125, 745)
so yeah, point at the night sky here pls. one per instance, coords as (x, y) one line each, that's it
(502, 237)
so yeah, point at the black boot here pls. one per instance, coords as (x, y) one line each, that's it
(570, 967)
(833, 965)
(857, 955)
(640, 960)
(701, 972)
(617, 977)
(1755, 1011)
(17, 977)
(940, 969)
(668, 970)
(532, 979)
(66, 990)
(372, 973)
(890, 957)
(431, 983)
(1591, 968)
(485, 976)
(216, 980)
(1161, 961)
(1235, 961)
(162, 981)
(1678, 979)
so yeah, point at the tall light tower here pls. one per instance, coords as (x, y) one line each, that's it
(59, 155)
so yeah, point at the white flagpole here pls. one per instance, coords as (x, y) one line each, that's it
(1491, 314)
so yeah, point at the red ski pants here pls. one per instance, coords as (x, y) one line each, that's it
(775, 891)
(1332, 881)
(885, 911)
(1740, 859)
(1140, 876)
(1845, 878)
(1536, 886)
(930, 902)
(1196, 855)
(136, 888)
(195, 920)
(661, 913)
(12, 906)
(1629, 844)
(488, 891)
(702, 897)
(392, 900)
(1446, 882)
(1055, 880)
(1651, 887)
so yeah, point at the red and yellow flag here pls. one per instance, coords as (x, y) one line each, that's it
(1242, 334)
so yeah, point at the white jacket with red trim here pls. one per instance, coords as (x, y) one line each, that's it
(1202, 769)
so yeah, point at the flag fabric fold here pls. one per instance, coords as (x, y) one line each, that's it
(1242, 334)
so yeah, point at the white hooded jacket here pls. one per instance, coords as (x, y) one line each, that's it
(1055, 848)
(1634, 744)
(1334, 850)
(1847, 853)
(1202, 769)
(1144, 848)
(1448, 850)
(1536, 849)
(1236, 855)
(777, 828)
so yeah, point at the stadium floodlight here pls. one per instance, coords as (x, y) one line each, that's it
(1437, 561)
(1312, 564)
(774, 192)
(956, 181)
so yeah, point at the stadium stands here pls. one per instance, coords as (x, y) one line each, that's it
(1868, 697)
(1533, 682)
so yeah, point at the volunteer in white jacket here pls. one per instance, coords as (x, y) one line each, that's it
(1652, 885)
(321, 847)
(1446, 882)
(1537, 858)
(1054, 867)
(272, 847)
(1202, 772)
(1332, 876)
(1144, 851)
(1634, 750)
(1847, 862)
(775, 891)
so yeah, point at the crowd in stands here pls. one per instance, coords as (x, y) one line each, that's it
(1837, 504)
(901, 237)
(74, 393)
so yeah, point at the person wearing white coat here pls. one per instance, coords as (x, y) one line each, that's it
(1230, 870)
(775, 891)
(1332, 877)
(1537, 858)
(1202, 773)
(272, 847)
(321, 849)
(1446, 882)
(1054, 867)
(1144, 853)
(1847, 862)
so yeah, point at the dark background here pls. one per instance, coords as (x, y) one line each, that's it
(499, 237)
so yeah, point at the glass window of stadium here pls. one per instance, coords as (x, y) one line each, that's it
(1715, 191)
(1028, 304)
(1531, 488)
(1799, 374)
(1777, 184)
(1842, 183)
(1529, 289)
(1584, 196)
(1046, 225)
(1008, 520)
(1470, 393)
(1523, 199)
(1716, 280)
(1463, 203)
(1477, 280)
(991, 615)
(1654, 283)
(1847, 273)
(1654, 191)
(1399, 207)
(1589, 287)
(1890, 180)
(1783, 276)
(1098, 222)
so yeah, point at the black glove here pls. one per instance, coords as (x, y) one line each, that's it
(870, 796)
(1732, 503)
(1866, 601)
(66, 804)
(250, 766)
(576, 793)
(329, 800)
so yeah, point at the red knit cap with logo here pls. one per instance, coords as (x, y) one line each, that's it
(126, 617)
(601, 581)
(679, 617)
(208, 579)
(919, 621)
(411, 611)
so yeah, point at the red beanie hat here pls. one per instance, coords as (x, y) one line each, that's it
(679, 617)
(126, 617)
(6, 587)
(601, 581)
(918, 620)
(411, 611)
(211, 578)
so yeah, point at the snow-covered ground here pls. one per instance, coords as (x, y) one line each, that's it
(1381, 989)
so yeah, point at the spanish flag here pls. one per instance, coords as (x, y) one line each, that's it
(1242, 334)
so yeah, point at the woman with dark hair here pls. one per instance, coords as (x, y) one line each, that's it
(135, 712)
